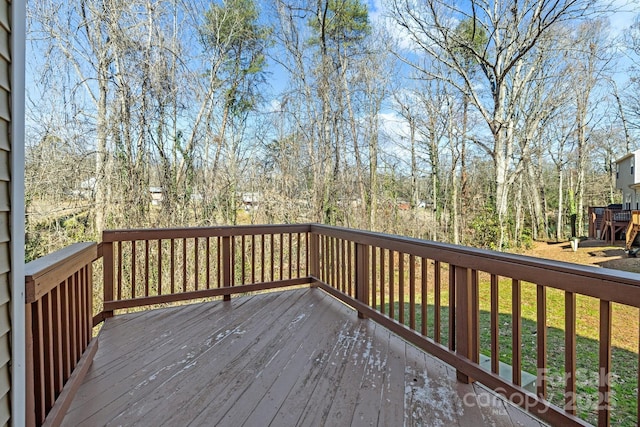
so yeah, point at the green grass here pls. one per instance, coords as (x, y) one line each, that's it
(624, 371)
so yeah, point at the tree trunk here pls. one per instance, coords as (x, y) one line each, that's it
(560, 220)
(101, 147)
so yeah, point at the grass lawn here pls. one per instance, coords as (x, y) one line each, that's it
(624, 376)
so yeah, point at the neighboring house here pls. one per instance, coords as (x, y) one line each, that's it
(157, 195)
(86, 189)
(628, 180)
(250, 200)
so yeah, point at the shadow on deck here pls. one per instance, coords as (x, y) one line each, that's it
(297, 357)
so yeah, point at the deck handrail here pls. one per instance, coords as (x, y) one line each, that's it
(614, 220)
(200, 262)
(60, 348)
(384, 278)
(617, 215)
(463, 268)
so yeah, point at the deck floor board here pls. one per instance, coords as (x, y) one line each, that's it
(264, 362)
(297, 357)
(367, 408)
(221, 354)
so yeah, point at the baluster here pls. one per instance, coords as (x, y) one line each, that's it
(541, 337)
(392, 271)
(262, 260)
(281, 243)
(349, 267)
(159, 267)
(424, 273)
(570, 352)
(146, 268)
(133, 269)
(604, 371)
(401, 287)
(383, 281)
(208, 258)
(184, 264)
(516, 331)
(253, 258)
(272, 257)
(119, 266)
(374, 276)
(437, 303)
(452, 307)
(495, 325)
(173, 266)
(412, 292)
(226, 265)
(196, 261)
(290, 256)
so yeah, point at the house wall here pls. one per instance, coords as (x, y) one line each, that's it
(634, 193)
(5, 212)
(12, 306)
(628, 174)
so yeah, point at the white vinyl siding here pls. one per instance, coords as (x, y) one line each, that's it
(5, 212)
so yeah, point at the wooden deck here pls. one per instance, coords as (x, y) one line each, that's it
(288, 358)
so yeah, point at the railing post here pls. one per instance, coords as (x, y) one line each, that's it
(362, 275)
(107, 267)
(314, 256)
(226, 265)
(30, 377)
(464, 328)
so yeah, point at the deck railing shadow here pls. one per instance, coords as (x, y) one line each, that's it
(429, 293)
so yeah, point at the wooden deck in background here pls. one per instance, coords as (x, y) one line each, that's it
(287, 358)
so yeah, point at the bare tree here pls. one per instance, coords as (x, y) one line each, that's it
(513, 31)
(589, 59)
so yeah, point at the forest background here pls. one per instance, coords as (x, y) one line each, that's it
(487, 123)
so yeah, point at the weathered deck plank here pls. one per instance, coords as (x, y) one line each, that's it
(219, 353)
(283, 359)
(265, 363)
(367, 409)
(302, 353)
(140, 367)
(392, 400)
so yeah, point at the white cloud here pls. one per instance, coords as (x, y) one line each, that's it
(380, 17)
(393, 125)
(624, 14)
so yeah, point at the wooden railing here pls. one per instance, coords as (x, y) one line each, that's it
(59, 330)
(633, 228)
(143, 267)
(429, 293)
(614, 221)
(617, 215)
